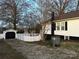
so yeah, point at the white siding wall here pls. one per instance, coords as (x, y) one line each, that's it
(47, 28)
(73, 29)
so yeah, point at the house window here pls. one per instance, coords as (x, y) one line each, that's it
(58, 26)
(66, 26)
(62, 25)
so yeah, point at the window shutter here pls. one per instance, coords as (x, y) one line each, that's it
(66, 26)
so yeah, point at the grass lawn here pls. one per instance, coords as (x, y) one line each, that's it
(6, 52)
(71, 44)
(67, 48)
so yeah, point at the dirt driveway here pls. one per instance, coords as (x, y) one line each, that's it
(36, 51)
(7, 52)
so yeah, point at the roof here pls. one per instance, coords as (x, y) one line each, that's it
(68, 15)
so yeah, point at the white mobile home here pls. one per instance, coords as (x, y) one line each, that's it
(68, 25)
(47, 29)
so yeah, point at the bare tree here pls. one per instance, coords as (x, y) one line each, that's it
(36, 14)
(60, 6)
(77, 8)
(11, 6)
(49, 6)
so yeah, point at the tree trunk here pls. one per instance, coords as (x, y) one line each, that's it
(14, 24)
(42, 32)
(15, 13)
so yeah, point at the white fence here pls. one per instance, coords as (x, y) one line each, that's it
(26, 37)
(1, 36)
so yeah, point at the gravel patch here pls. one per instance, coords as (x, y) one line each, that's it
(35, 51)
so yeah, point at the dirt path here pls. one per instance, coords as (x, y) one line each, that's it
(6, 52)
(35, 51)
